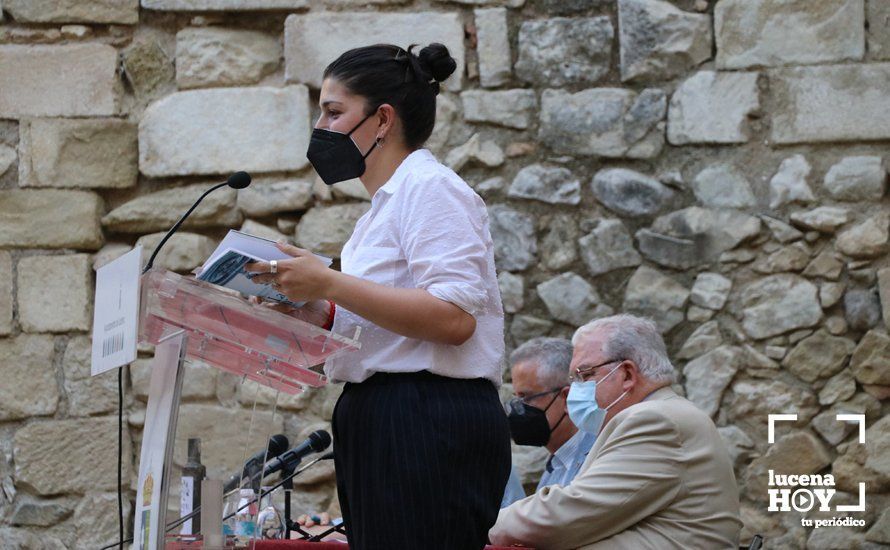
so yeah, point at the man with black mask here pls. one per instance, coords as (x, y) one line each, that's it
(538, 415)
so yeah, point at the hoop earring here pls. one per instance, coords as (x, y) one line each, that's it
(379, 142)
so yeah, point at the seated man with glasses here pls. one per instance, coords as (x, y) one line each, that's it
(538, 416)
(658, 476)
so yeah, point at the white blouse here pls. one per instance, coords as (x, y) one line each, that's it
(426, 229)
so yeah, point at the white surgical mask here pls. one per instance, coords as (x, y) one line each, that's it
(584, 410)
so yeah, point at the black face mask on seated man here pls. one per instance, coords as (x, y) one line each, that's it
(528, 424)
(335, 156)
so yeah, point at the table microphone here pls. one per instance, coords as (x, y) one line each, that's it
(317, 441)
(238, 180)
(277, 445)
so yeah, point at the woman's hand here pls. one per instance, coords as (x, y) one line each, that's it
(301, 278)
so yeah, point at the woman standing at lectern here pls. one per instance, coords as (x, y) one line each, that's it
(421, 442)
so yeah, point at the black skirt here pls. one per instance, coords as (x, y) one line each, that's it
(421, 460)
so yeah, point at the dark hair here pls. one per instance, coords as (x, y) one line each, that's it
(384, 73)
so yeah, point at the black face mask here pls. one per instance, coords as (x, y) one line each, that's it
(335, 156)
(528, 425)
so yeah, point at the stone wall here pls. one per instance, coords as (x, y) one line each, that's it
(717, 165)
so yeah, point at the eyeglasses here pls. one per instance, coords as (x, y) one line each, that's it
(582, 374)
(517, 403)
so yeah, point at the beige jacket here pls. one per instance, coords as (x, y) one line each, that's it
(658, 477)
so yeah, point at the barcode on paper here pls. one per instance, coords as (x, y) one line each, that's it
(113, 344)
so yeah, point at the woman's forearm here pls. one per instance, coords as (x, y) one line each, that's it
(410, 312)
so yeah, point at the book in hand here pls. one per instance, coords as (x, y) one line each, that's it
(225, 267)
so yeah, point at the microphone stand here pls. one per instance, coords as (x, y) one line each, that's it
(176, 523)
(288, 487)
(173, 229)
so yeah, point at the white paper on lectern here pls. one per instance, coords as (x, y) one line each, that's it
(116, 312)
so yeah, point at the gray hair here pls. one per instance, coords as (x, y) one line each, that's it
(552, 355)
(634, 338)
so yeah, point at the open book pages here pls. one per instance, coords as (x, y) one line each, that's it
(225, 267)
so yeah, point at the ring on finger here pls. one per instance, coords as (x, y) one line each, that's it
(273, 266)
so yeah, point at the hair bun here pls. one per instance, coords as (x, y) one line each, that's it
(436, 61)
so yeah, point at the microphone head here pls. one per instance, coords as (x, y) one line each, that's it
(278, 443)
(319, 440)
(239, 180)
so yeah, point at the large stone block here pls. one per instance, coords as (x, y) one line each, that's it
(513, 233)
(69, 456)
(314, 40)
(223, 5)
(325, 229)
(493, 46)
(73, 11)
(264, 198)
(608, 247)
(782, 32)
(6, 294)
(723, 186)
(158, 211)
(710, 232)
(78, 153)
(705, 338)
(710, 291)
(659, 41)
(630, 193)
(857, 179)
(655, 295)
(789, 184)
(753, 400)
(50, 219)
(868, 239)
(55, 293)
(87, 395)
(475, 151)
(224, 130)
(511, 108)
(831, 103)
(709, 375)
(550, 184)
(560, 51)
(571, 299)
(713, 107)
(71, 80)
(871, 359)
(778, 304)
(29, 379)
(820, 355)
(558, 249)
(609, 122)
(213, 56)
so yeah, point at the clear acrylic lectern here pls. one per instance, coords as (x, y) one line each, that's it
(186, 318)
